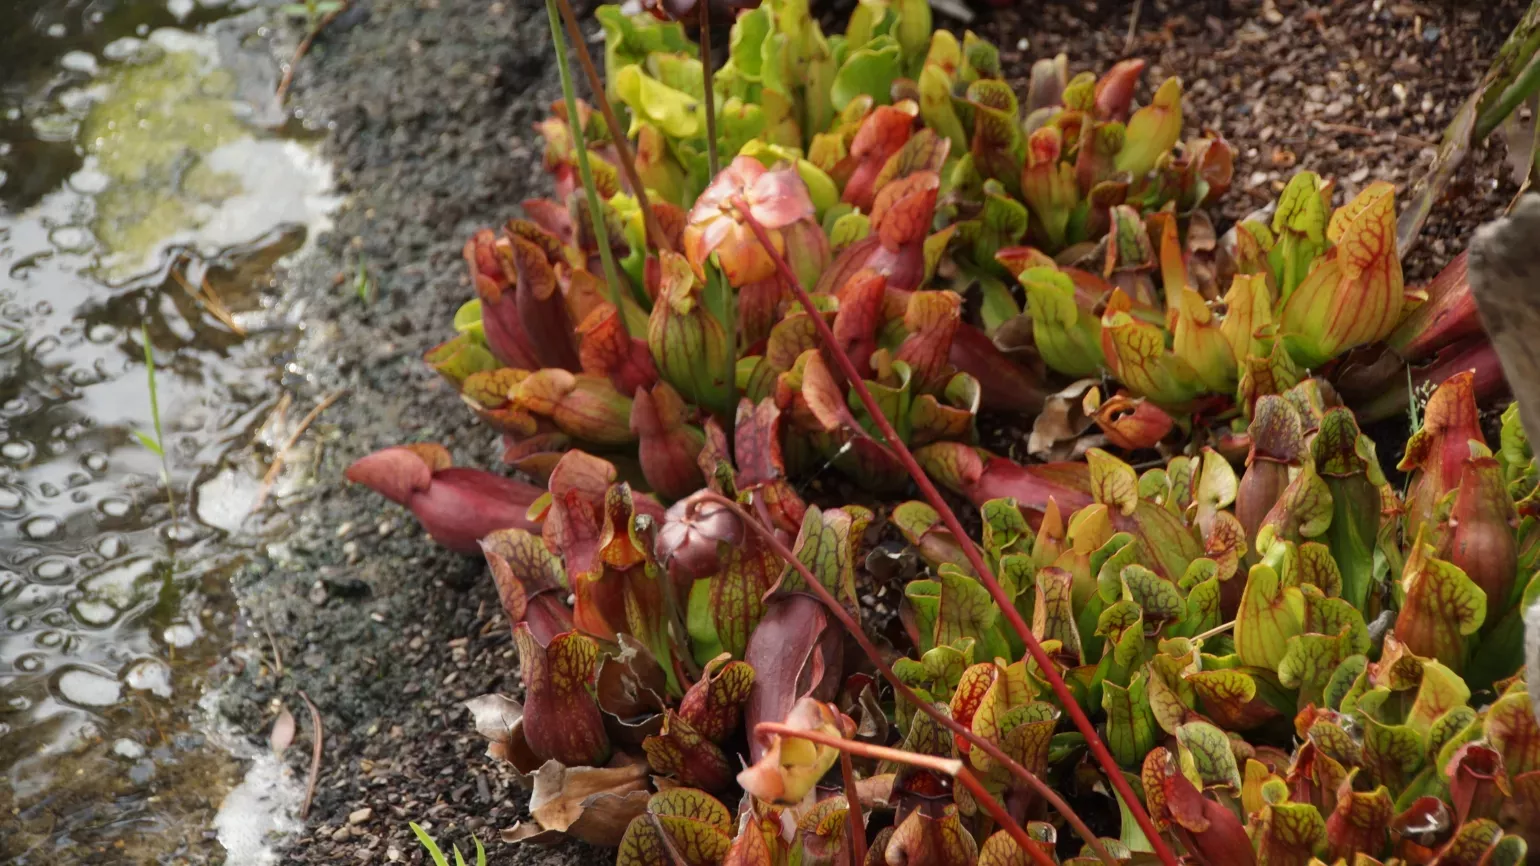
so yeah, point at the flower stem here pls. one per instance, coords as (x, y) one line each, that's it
(943, 719)
(711, 110)
(996, 811)
(580, 144)
(655, 235)
(856, 821)
(933, 763)
(948, 766)
(970, 550)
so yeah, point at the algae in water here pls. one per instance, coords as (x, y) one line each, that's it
(150, 136)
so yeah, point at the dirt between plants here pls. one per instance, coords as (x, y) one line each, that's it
(429, 106)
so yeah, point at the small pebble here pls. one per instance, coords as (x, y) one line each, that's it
(126, 748)
(341, 835)
(360, 816)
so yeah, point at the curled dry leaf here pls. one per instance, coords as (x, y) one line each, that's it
(1059, 431)
(593, 804)
(501, 720)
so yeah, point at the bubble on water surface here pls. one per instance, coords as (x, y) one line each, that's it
(110, 546)
(17, 451)
(79, 61)
(30, 663)
(52, 569)
(87, 688)
(149, 675)
(40, 528)
(180, 635)
(71, 239)
(94, 614)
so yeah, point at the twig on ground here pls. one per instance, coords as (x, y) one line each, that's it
(317, 735)
(299, 52)
(1133, 28)
(277, 465)
(210, 300)
(277, 656)
(1352, 129)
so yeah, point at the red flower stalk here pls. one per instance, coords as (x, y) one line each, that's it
(1013, 617)
(924, 705)
(458, 507)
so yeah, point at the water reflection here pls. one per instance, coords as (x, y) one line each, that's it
(131, 172)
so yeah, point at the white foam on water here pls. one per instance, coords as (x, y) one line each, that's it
(260, 812)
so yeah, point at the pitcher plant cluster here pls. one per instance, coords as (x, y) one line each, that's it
(841, 251)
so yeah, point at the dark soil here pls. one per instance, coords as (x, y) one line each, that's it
(429, 106)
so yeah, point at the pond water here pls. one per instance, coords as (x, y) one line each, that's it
(148, 186)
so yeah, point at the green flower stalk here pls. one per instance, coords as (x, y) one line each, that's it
(580, 147)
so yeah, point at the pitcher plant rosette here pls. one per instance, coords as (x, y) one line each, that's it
(838, 251)
(1189, 325)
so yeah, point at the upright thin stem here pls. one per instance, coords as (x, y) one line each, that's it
(580, 144)
(655, 235)
(945, 720)
(986, 576)
(933, 763)
(711, 108)
(948, 766)
(857, 821)
(1018, 833)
